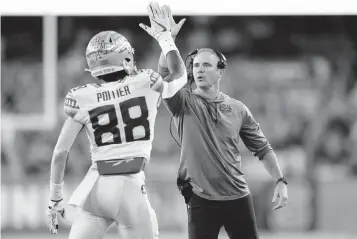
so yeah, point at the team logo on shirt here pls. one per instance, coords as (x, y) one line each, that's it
(225, 108)
(72, 103)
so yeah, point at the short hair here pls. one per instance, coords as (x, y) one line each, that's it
(207, 50)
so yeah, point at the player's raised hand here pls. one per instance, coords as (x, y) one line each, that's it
(280, 195)
(159, 20)
(54, 208)
(175, 28)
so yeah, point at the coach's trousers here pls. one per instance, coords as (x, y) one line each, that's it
(120, 199)
(206, 217)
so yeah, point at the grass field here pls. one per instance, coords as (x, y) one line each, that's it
(168, 235)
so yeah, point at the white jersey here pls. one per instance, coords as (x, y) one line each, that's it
(119, 117)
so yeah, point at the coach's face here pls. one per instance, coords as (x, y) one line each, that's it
(205, 70)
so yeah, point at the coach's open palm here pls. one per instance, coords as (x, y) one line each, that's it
(280, 195)
(159, 19)
(175, 28)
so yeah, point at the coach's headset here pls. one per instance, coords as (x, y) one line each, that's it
(221, 64)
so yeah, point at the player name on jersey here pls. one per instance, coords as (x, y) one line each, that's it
(113, 94)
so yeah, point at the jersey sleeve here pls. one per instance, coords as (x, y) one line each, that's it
(71, 106)
(252, 135)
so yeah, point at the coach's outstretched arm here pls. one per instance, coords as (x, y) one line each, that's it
(160, 30)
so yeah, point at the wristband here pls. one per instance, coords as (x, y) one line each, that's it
(56, 191)
(282, 179)
(166, 43)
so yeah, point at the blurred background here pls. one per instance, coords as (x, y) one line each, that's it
(297, 74)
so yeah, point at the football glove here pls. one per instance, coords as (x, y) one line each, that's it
(159, 20)
(175, 28)
(54, 208)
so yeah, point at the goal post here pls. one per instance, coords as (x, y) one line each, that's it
(44, 121)
(48, 118)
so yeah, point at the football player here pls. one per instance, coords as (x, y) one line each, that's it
(118, 117)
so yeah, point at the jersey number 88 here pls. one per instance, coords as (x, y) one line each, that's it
(130, 123)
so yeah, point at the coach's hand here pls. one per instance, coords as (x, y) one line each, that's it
(175, 28)
(280, 195)
(54, 208)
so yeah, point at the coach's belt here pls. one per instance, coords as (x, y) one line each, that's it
(121, 166)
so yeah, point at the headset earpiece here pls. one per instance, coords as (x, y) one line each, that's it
(222, 63)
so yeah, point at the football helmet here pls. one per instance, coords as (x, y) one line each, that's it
(106, 53)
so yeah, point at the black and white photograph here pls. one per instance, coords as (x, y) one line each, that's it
(172, 120)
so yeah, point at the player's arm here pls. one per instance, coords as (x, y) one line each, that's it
(163, 68)
(258, 144)
(69, 132)
(174, 104)
(65, 140)
(68, 135)
(160, 30)
(173, 81)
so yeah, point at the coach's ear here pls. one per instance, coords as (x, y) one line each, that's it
(221, 73)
